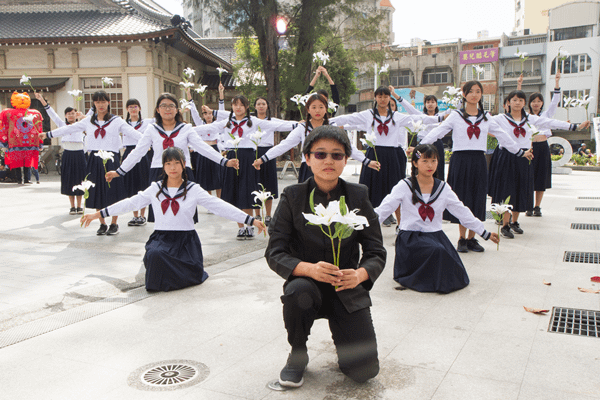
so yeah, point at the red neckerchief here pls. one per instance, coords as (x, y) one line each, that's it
(473, 128)
(238, 128)
(100, 129)
(426, 211)
(170, 201)
(138, 125)
(519, 130)
(383, 126)
(168, 140)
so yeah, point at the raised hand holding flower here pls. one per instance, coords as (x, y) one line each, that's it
(498, 211)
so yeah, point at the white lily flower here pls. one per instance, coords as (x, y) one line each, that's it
(500, 208)
(305, 98)
(479, 69)
(521, 55)
(107, 81)
(84, 186)
(24, 80)
(417, 126)
(324, 58)
(234, 142)
(221, 70)
(570, 102)
(201, 89)
(332, 107)
(371, 137)
(322, 215)
(261, 195)
(106, 155)
(384, 69)
(562, 53)
(296, 98)
(186, 105)
(29, 118)
(257, 135)
(186, 84)
(364, 142)
(75, 93)
(352, 219)
(453, 91)
(585, 102)
(189, 72)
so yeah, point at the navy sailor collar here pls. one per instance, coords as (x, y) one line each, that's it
(436, 190)
(377, 116)
(165, 190)
(159, 127)
(511, 119)
(465, 116)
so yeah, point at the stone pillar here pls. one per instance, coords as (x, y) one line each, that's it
(124, 58)
(2, 60)
(51, 59)
(74, 57)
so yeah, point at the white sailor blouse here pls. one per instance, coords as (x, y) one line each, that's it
(426, 214)
(140, 126)
(176, 213)
(389, 130)
(76, 137)
(470, 132)
(297, 136)
(426, 127)
(551, 110)
(182, 136)
(101, 135)
(218, 115)
(242, 130)
(521, 131)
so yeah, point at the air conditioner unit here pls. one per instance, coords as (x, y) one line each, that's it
(525, 31)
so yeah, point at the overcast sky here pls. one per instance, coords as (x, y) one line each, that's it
(436, 20)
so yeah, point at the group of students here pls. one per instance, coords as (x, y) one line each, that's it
(315, 287)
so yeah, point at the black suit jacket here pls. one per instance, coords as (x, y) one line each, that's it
(291, 240)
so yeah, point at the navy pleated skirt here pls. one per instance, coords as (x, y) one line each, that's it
(467, 176)
(173, 260)
(428, 262)
(513, 177)
(208, 174)
(137, 178)
(238, 188)
(268, 173)
(393, 169)
(441, 168)
(542, 166)
(156, 174)
(72, 171)
(102, 195)
(304, 173)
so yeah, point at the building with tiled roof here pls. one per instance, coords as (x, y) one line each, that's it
(71, 44)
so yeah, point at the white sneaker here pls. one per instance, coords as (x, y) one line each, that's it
(250, 232)
(241, 234)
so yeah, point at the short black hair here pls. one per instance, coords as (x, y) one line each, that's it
(327, 132)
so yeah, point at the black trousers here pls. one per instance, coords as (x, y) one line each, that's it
(353, 334)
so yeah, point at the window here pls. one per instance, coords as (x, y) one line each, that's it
(171, 87)
(576, 32)
(402, 78)
(572, 65)
(531, 68)
(448, 49)
(485, 46)
(469, 73)
(364, 81)
(577, 94)
(437, 75)
(489, 102)
(91, 85)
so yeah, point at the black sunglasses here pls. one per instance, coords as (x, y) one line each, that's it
(321, 155)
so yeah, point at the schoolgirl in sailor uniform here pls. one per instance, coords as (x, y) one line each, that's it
(425, 259)
(103, 133)
(73, 162)
(542, 161)
(316, 115)
(467, 172)
(207, 174)
(137, 179)
(239, 185)
(173, 258)
(514, 175)
(335, 94)
(389, 134)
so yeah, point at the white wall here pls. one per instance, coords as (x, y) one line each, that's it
(20, 58)
(138, 89)
(62, 58)
(136, 57)
(99, 57)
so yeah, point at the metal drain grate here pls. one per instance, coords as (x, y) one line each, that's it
(587, 208)
(587, 227)
(588, 198)
(574, 321)
(168, 375)
(581, 257)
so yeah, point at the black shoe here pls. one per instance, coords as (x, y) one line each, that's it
(514, 226)
(258, 218)
(267, 220)
(505, 232)
(241, 234)
(473, 245)
(292, 375)
(141, 221)
(462, 246)
(387, 222)
(72, 211)
(537, 212)
(113, 229)
(79, 210)
(392, 219)
(529, 213)
(133, 222)
(102, 230)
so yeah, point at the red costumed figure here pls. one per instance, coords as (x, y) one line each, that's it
(19, 128)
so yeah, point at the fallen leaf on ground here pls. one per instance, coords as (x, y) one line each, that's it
(535, 310)
(586, 290)
(547, 283)
(595, 278)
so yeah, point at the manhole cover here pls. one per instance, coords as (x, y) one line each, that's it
(587, 227)
(168, 375)
(587, 209)
(574, 321)
(582, 257)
